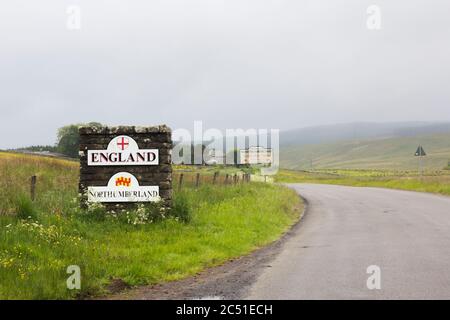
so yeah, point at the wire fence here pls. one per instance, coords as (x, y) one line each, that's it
(195, 180)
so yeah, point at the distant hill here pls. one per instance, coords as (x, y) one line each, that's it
(359, 131)
(366, 146)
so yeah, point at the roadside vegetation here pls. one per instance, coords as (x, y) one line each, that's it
(437, 181)
(40, 239)
(210, 170)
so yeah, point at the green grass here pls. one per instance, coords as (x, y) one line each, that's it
(436, 182)
(221, 169)
(224, 222)
(55, 188)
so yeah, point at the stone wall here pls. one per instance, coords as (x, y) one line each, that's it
(156, 137)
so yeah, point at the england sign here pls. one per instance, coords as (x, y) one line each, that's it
(123, 151)
(123, 187)
(124, 165)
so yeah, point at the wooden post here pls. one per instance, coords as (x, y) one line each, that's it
(33, 188)
(421, 166)
(215, 177)
(226, 178)
(235, 178)
(180, 182)
(197, 180)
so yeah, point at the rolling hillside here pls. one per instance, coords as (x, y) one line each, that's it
(393, 151)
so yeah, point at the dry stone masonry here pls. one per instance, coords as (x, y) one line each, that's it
(126, 165)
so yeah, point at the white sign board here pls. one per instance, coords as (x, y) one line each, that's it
(123, 187)
(123, 151)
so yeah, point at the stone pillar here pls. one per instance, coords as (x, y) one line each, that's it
(111, 156)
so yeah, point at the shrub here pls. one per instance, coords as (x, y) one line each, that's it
(144, 213)
(25, 208)
(95, 211)
(181, 208)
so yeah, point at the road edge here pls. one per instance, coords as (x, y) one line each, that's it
(230, 280)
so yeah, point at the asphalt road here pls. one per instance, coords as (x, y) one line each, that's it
(346, 230)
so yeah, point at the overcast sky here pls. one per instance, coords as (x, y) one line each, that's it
(230, 63)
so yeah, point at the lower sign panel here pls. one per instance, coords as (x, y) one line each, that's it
(141, 194)
(123, 187)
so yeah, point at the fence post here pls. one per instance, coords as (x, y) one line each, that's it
(180, 182)
(33, 188)
(226, 178)
(235, 178)
(215, 177)
(197, 180)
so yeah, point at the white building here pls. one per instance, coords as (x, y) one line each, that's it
(256, 155)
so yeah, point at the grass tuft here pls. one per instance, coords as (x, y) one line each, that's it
(181, 208)
(24, 208)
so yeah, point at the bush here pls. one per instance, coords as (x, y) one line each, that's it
(181, 208)
(25, 208)
(94, 212)
(144, 213)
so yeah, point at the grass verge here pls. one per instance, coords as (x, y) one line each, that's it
(218, 223)
(438, 182)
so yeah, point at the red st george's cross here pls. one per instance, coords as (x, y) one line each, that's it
(123, 143)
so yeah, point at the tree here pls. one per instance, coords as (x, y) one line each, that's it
(233, 154)
(195, 156)
(69, 138)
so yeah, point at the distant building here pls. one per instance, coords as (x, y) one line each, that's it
(256, 155)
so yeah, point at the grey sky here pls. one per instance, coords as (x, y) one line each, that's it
(231, 63)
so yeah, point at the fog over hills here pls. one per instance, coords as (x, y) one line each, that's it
(366, 146)
(359, 130)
